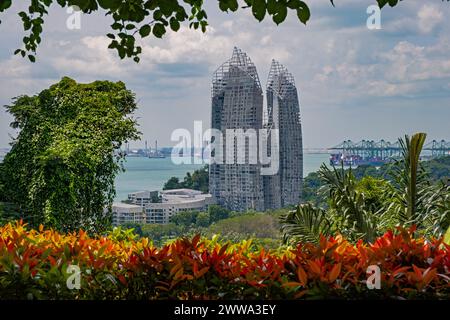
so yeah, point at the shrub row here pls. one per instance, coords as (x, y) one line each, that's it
(34, 265)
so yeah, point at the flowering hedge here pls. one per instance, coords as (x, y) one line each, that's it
(33, 264)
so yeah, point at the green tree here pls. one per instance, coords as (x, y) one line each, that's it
(152, 17)
(415, 199)
(198, 180)
(61, 168)
(185, 218)
(410, 179)
(217, 213)
(202, 220)
(374, 192)
(172, 183)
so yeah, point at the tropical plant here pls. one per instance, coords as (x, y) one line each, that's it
(447, 236)
(305, 224)
(34, 265)
(353, 216)
(366, 209)
(411, 184)
(436, 217)
(61, 168)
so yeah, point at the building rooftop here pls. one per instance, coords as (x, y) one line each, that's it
(181, 192)
(121, 205)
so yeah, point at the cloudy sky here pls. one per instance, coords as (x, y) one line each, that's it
(353, 82)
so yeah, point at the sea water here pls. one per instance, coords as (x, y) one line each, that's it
(150, 174)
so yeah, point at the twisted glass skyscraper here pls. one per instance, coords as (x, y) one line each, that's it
(283, 113)
(237, 104)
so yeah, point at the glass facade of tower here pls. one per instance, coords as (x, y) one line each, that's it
(237, 103)
(284, 114)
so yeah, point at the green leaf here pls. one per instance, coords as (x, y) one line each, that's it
(145, 30)
(159, 30)
(157, 15)
(5, 4)
(392, 3)
(259, 9)
(32, 58)
(116, 26)
(121, 52)
(174, 24)
(382, 3)
(272, 6)
(233, 5)
(447, 236)
(303, 12)
(280, 15)
(223, 5)
(293, 4)
(113, 44)
(112, 5)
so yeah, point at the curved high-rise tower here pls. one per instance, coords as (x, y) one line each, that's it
(283, 113)
(237, 102)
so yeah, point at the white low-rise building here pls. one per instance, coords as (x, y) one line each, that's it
(159, 207)
(127, 213)
(141, 198)
(174, 201)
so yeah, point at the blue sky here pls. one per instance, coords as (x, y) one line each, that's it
(353, 82)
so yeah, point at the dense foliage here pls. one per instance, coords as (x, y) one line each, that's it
(61, 168)
(151, 17)
(437, 169)
(365, 209)
(198, 180)
(261, 227)
(34, 265)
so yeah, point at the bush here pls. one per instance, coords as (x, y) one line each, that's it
(34, 266)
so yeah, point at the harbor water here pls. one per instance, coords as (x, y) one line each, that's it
(150, 174)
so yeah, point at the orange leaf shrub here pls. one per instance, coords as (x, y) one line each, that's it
(34, 264)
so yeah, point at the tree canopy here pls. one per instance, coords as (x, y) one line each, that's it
(62, 165)
(153, 17)
(198, 180)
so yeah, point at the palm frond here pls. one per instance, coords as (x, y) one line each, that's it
(304, 224)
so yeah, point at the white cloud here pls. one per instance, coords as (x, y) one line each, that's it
(88, 57)
(339, 65)
(409, 62)
(429, 17)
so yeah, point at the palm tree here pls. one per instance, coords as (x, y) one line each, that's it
(305, 224)
(412, 200)
(353, 215)
(411, 185)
